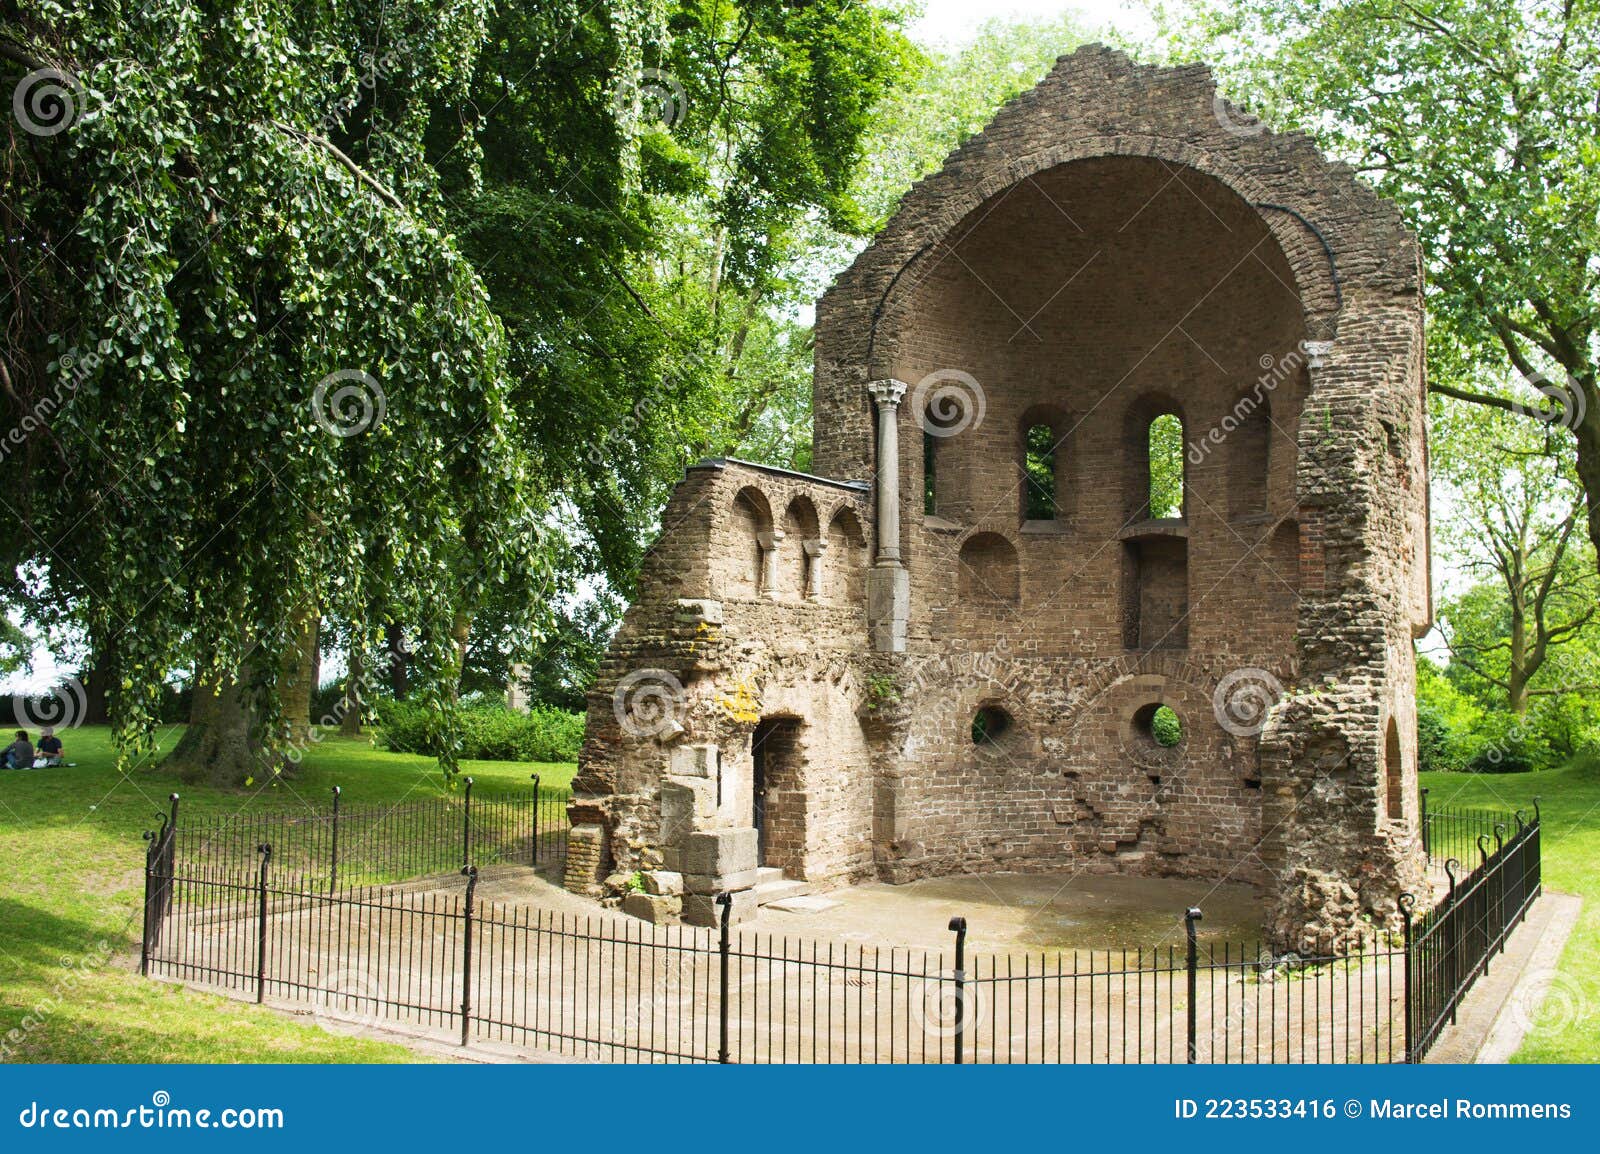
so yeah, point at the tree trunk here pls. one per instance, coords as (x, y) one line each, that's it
(221, 746)
(299, 674)
(1588, 467)
(395, 636)
(1517, 673)
(460, 634)
(350, 723)
(99, 681)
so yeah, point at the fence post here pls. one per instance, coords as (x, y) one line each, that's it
(167, 867)
(535, 855)
(150, 851)
(1406, 902)
(265, 850)
(1422, 819)
(724, 900)
(333, 849)
(959, 925)
(471, 874)
(1192, 966)
(466, 827)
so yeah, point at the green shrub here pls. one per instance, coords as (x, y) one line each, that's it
(489, 732)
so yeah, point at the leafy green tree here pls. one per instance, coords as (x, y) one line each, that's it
(1479, 119)
(259, 381)
(1513, 506)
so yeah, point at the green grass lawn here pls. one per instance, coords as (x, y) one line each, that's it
(1570, 842)
(71, 883)
(71, 879)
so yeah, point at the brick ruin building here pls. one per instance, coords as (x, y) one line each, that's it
(919, 662)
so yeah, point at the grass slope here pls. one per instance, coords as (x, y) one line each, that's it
(1568, 1030)
(71, 882)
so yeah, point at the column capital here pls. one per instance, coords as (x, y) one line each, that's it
(1317, 353)
(887, 392)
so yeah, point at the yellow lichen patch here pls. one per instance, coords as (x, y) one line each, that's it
(741, 704)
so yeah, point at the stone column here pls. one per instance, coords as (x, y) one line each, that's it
(769, 542)
(888, 584)
(886, 395)
(813, 552)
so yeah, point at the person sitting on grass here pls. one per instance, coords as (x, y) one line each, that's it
(50, 751)
(19, 754)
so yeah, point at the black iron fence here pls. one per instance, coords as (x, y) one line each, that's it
(600, 987)
(341, 845)
(1448, 946)
(1453, 832)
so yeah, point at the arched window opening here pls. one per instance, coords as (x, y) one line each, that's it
(930, 491)
(988, 570)
(1160, 725)
(1166, 466)
(1248, 447)
(1039, 465)
(1393, 773)
(989, 725)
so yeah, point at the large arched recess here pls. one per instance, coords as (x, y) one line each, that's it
(1102, 286)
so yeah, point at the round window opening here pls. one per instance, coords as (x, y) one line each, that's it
(989, 724)
(1160, 724)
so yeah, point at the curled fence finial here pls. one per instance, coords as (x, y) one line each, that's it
(1483, 846)
(1537, 817)
(1522, 820)
(1451, 865)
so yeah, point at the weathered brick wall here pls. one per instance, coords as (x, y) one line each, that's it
(717, 641)
(1118, 244)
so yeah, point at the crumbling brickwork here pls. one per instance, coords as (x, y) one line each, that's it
(1118, 248)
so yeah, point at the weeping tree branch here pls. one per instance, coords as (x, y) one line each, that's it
(339, 155)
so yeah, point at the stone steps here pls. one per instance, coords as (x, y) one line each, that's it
(771, 886)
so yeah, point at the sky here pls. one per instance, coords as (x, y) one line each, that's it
(952, 23)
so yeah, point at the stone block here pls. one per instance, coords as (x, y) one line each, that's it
(702, 910)
(695, 761)
(685, 805)
(692, 611)
(665, 883)
(653, 908)
(721, 852)
(716, 883)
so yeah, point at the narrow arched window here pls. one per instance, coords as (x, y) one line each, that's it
(930, 491)
(1166, 466)
(1039, 463)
